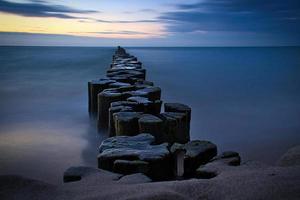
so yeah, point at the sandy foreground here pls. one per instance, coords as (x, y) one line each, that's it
(251, 180)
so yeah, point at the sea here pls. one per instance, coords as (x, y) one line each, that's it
(245, 99)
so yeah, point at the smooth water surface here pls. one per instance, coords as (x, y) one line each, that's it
(243, 99)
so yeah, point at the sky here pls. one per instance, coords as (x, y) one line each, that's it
(150, 22)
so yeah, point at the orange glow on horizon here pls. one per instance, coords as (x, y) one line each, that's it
(75, 27)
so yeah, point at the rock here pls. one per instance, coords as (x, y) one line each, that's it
(231, 157)
(73, 174)
(198, 152)
(229, 154)
(218, 165)
(137, 147)
(126, 123)
(130, 166)
(181, 108)
(175, 127)
(135, 179)
(290, 158)
(153, 125)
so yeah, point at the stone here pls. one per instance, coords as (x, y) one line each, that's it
(139, 147)
(290, 158)
(218, 164)
(175, 127)
(126, 123)
(198, 152)
(151, 124)
(231, 158)
(229, 154)
(77, 173)
(130, 166)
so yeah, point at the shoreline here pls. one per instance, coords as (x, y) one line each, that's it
(251, 180)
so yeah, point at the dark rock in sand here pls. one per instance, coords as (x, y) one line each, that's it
(231, 158)
(153, 125)
(126, 123)
(175, 127)
(197, 153)
(218, 164)
(73, 174)
(136, 148)
(130, 166)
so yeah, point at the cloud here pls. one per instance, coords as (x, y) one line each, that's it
(235, 15)
(123, 32)
(128, 21)
(39, 8)
(145, 10)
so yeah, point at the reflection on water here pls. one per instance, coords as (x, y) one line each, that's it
(244, 99)
(44, 125)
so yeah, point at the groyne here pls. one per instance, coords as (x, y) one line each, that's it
(142, 139)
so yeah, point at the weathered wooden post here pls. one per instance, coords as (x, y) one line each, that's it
(94, 88)
(153, 125)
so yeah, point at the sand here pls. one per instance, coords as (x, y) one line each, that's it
(251, 180)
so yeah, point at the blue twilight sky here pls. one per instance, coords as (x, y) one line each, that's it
(150, 23)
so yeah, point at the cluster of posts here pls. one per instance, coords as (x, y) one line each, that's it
(126, 104)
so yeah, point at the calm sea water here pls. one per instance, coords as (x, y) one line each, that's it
(243, 99)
